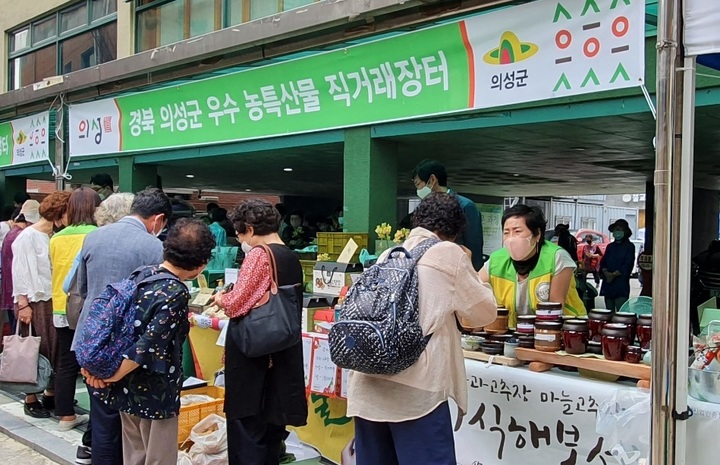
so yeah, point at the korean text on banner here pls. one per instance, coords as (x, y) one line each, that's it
(25, 140)
(541, 50)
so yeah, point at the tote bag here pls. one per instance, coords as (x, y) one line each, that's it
(19, 360)
(273, 324)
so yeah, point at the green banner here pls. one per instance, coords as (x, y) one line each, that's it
(539, 50)
(422, 73)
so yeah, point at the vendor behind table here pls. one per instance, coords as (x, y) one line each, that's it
(529, 269)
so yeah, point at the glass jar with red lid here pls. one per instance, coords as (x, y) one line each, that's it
(597, 318)
(575, 334)
(629, 319)
(615, 341)
(644, 331)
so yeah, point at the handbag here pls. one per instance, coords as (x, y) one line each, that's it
(74, 304)
(19, 359)
(273, 324)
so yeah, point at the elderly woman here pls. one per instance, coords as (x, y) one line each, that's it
(404, 419)
(114, 208)
(32, 288)
(146, 387)
(617, 265)
(263, 394)
(530, 269)
(27, 215)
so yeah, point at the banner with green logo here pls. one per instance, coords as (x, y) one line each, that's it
(536, 51)
(25, 140)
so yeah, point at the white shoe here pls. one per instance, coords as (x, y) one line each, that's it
(67, 425)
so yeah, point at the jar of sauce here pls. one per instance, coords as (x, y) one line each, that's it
(575, 335)
(629, 319)
(549, 311)
(548, 337)
(597, 318)
(615, 340)
(500, 325)
(526, 324)
(644, 331)
(634, 354)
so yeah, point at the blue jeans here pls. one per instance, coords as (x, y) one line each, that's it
(425, 441)
(106, 433)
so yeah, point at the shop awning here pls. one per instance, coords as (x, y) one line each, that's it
(702, 35)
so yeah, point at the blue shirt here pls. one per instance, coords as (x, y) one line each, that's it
(472, 235)
(109, 255)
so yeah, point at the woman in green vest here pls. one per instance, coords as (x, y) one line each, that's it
(529, 269)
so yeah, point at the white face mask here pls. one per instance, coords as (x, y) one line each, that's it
(157, 234)
(246, 248)
(519, 247)
(341, 221)
(425, 191)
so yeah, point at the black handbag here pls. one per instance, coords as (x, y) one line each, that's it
(273, 324)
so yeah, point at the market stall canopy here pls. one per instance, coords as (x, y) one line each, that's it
(702, 36)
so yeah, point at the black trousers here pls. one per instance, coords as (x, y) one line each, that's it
(106, 433)
(251, 441)
(66, 375)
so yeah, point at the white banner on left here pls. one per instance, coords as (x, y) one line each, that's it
(25, 140)
(95, 128)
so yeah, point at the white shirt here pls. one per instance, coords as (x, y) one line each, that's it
(31, 270)
(563, 260)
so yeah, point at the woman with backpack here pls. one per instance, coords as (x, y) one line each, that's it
(64, 248)
(263, 394)
(145, 389)
(404, 419)
(32, 289)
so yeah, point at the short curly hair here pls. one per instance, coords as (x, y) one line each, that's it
(189, 244)
(113, 208)
(54, 206)
(258, 213)
(440, 213)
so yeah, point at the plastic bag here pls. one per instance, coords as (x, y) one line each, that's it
(210, 441)
(624, 421)
(183, 459)
(191, 399)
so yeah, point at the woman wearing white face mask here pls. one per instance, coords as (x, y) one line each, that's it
(529, 269)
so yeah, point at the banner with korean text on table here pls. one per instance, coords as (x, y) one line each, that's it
(541, 50)
(25, 140)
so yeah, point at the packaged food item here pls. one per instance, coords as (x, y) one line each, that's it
(500, 325)
(526, 324)
(575, 335)
(644, 331)
(597, 318)
(549, 311)
(615, 340)
(548, 336)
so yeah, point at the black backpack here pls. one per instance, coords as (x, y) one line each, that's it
(379, 331)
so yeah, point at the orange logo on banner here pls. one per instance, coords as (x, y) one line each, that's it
(510, 50)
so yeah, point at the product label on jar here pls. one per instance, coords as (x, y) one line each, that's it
(545, 337)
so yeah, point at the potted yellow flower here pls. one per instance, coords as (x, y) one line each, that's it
(384, 232)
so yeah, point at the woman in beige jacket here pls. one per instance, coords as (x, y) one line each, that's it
(404, 419)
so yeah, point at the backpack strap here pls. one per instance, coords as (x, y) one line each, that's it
(418, 251)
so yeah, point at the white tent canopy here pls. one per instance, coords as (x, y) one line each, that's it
(702, 27)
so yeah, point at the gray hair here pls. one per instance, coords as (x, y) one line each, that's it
(113, 208)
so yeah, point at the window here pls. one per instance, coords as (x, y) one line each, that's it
(163, 22)
(563, 220)
(588, 222)
(83, 35)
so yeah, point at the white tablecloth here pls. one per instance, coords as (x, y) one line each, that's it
(518, 417)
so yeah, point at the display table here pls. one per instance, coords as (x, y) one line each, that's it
(513, 415)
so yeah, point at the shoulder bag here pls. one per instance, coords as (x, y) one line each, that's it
(273, 324)
(21, 364)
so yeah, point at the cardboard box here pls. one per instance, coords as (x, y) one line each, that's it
(329, 278)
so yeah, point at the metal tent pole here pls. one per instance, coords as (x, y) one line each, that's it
(665, 263)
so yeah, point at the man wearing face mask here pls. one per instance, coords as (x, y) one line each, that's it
(617, 265)
(430, 176)
(530, 269)
(109, 255)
